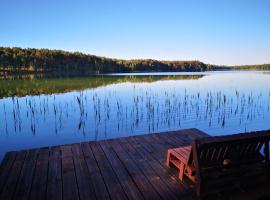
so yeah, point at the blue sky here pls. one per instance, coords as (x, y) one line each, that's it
(213, 31)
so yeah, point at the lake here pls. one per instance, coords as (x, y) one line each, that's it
(46, 111)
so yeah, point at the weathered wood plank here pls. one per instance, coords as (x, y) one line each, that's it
(100, 189)
(161, 147)
(85, 185)
(70, 189)
(11, 182)
(161, 143)
(171, 181)
(54, 185)
(6, 167)
(24, 184)
(113, 185)
(160, 187)
(39, 184)
(137, 175)
(125, 180)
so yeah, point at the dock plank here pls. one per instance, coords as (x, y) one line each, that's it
(39, 184)
(168, 174)
(125, 179)
(85, 185)
(70, 189)
(23, 187)
(54, 185)
(11, 182)
(141, 181)
(5, 168)
(122, 168)
(156, 181)
(113, 185)
(100, 189)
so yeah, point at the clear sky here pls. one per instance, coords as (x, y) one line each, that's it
(213, 31)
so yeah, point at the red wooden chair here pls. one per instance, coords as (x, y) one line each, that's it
(181, 158)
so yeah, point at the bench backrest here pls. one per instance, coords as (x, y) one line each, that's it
(229, 151)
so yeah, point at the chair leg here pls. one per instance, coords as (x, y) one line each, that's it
(181, 171)
(168, 159)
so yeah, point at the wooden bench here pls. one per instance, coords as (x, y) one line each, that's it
(224, 163)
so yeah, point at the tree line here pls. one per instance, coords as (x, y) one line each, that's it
(30, 60)
(58, 61)
(252, 67)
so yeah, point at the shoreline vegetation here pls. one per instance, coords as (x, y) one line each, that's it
(21, 61)
(57, 62)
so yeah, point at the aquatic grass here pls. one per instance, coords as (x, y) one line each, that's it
(96, 113)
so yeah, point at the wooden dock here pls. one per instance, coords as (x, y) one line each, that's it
(118, 169)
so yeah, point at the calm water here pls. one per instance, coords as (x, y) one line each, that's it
(49, 111)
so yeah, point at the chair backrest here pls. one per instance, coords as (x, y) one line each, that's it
(230, 150)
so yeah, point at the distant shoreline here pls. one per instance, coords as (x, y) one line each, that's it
(57, 62)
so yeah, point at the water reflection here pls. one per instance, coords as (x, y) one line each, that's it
(38, 84)
(217, 104)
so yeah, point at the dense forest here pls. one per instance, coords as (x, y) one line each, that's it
(18, 60)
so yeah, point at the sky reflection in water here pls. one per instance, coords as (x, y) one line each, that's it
(217, 103)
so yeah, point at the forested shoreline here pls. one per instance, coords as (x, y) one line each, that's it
(252, 67)
(18, 60)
